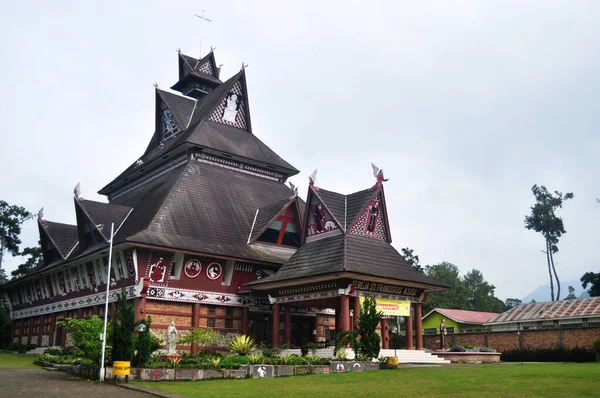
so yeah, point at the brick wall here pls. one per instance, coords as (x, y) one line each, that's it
(531, 339)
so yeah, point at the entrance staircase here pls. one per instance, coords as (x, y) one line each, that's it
(38, 350)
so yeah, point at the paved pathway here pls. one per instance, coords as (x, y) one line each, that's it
(40, 383)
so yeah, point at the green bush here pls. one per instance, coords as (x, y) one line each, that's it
(457, 348)
(576, 354)
(597, 346)
(268, 351)
(234, 361)
(85, 335)
(242, 345)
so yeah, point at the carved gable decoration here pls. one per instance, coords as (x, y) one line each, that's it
(206, 67)
(232, 109)
(319, 220)
(158, 267)
(168, 126)
(371, 221)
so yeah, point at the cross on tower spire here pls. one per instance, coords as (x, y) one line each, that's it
(202, 18)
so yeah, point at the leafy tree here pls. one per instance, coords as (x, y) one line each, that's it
(4, 326)
(201, 336)
(543, 219)
(149, 343)
(456, 297)
(123, 329)
(533, 301)
(11, 219)
(3, 277)
(481, 293)
(35, 259)
(592, 279)
(86, 335)
(412, 259)
(511, 303)
(571, 295)
(365, 341)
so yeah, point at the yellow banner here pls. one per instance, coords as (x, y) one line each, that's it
(391, 307)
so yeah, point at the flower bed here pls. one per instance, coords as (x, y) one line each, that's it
(469, 357)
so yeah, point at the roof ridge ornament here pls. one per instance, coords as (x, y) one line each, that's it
(312, 179)
(378, 174)
(294, 190)
(77, 190)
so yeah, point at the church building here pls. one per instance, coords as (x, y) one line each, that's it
(207, 234)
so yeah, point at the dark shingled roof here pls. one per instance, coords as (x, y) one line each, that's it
(64, 236)
(266, 214)
(345, 208)
(181, 107)
(335, 202)
(103, 214)
(205, 208)
(347, 253)
(356, 202)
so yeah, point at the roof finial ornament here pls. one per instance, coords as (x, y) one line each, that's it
(202, 18)
(41, 214)
(312, 179)
(155, 85)
(212, 49)
(294, 190)
(77, 190)
(378, 174)
(179, 50)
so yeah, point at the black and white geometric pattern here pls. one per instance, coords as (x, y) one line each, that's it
(206, 67)
(359, 227)
(240, 119)
(78, 302)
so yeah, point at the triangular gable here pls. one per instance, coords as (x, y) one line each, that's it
(282, 228)
(167, 125)
(88, 232)
(372, 220)
(233, 109)
(318, 220)
(207, 65)
(186, 65)
(50, 250)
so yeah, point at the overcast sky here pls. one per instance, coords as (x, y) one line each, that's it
(465, 105)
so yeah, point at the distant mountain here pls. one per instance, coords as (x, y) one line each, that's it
(542, 293)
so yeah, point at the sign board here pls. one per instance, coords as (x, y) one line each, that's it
(391, 307)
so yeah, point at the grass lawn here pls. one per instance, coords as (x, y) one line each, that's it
(10, 360)
(513, 380)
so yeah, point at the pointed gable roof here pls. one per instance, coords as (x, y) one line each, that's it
(102, 215)
(266, 215)
(352, 254)
(180, 106)
(63, 237)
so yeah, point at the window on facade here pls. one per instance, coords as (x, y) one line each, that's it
(284, 230)
(212, 310)
(229, 323)
(229, 311)
(211, 323)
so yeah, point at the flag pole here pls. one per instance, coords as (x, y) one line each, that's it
(112, 226)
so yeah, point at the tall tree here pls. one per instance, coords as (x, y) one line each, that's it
(35, 259)
(543, 219)
(592, 279)
(571, 295)
(123, 329)
(411, 258)
(481, 293)
(3, 277)
(456, 297)
(511, 303)
(11, 219)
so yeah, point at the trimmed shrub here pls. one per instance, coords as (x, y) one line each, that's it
(457, 348)
(242, 345)
(576, 354)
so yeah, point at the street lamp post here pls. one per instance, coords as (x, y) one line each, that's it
(141, 330)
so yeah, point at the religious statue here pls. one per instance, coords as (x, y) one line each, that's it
(442, 335)
(231, 108)
(171, 339)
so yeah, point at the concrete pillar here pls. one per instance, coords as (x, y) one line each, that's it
(275, 341)
(409, 330)
(419, 326)
(356, 310)
(245, 311)
(288, 325)
(385, 335)
(344, 313)
(140, 307)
